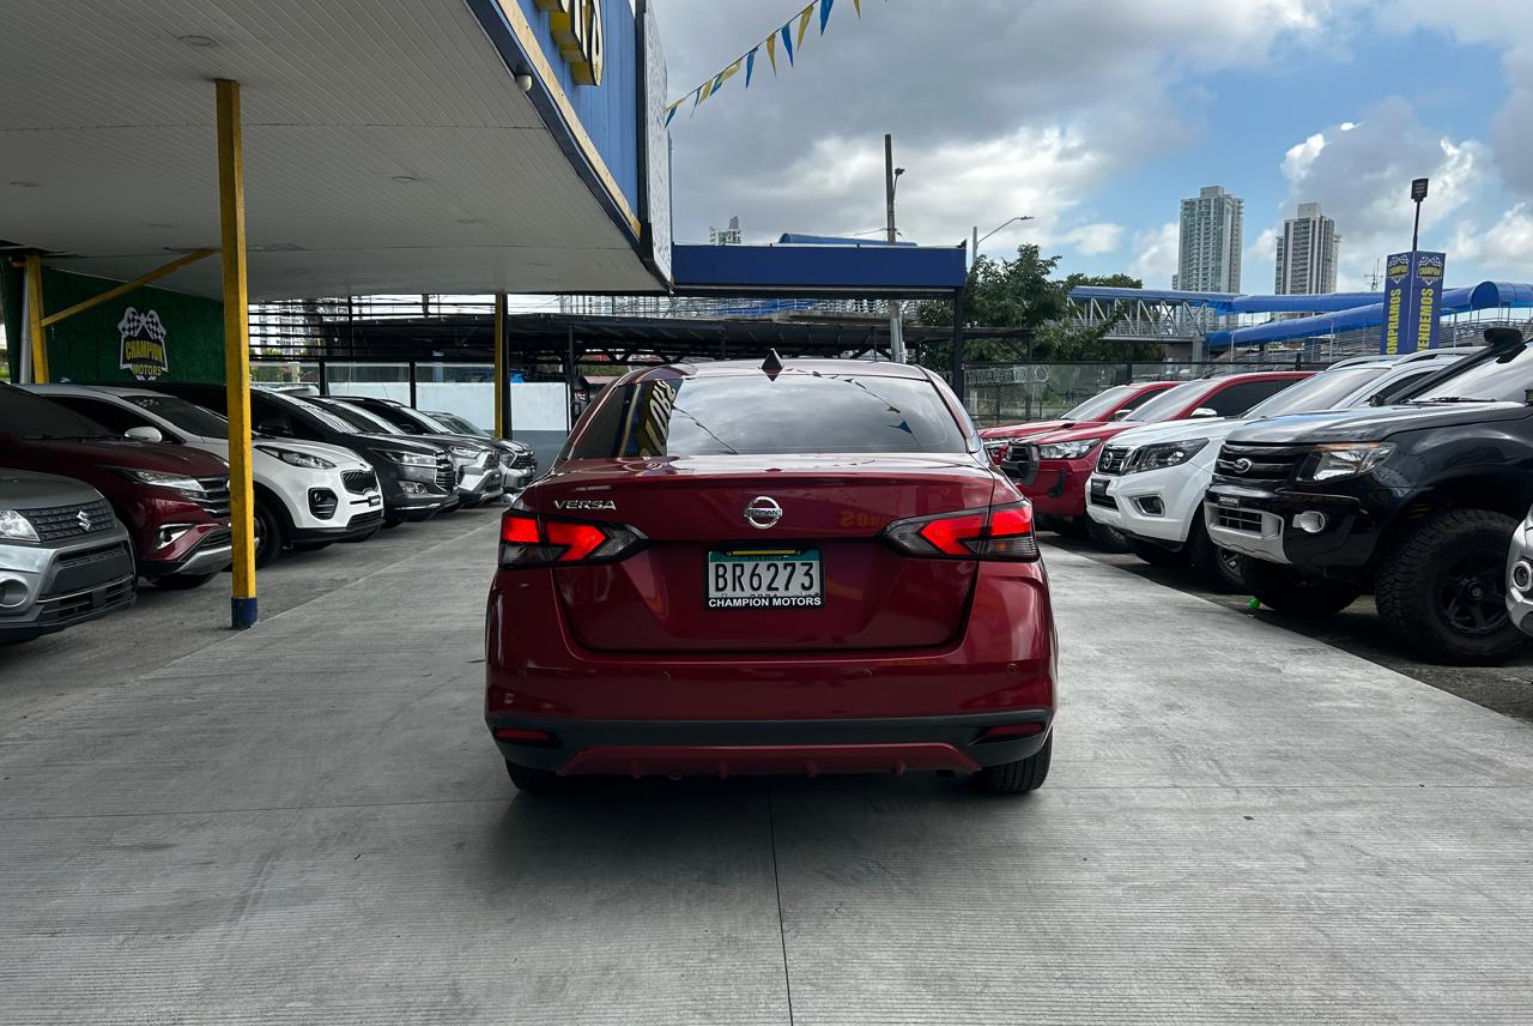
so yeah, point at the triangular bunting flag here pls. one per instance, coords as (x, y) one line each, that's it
(750, 66)
(771, 45)
(787, 42)
(825, 6)
(857, 6)
(803, 24)
(731, 71)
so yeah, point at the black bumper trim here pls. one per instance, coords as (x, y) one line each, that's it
(962, 732)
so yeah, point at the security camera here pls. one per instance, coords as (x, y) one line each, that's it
(524, 80)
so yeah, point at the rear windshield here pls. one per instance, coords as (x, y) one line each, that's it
(1321, 392)
(1496, 381)
(799, 412)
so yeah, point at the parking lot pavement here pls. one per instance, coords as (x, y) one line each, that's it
(306, 823)
(1357, 629)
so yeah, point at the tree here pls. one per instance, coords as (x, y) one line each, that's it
(1021, 293)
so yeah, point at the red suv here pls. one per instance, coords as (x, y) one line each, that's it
(802, 568)
(1113, 404)
(1052, 468)
(173, 499)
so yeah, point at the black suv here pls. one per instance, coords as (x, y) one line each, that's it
(417, 478)
(1416, 501)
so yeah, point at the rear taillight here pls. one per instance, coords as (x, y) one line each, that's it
(1005, 532)
(527, 541)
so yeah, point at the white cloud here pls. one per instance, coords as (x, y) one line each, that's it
(1095, 239)
(1157, 256)
(1504, 251)
(1297, 161)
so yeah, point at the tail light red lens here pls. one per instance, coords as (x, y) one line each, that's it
(528, 541)
(1005, 533)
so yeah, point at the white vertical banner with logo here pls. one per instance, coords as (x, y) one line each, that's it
(657, 146)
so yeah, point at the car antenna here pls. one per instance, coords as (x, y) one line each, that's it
(772, 365)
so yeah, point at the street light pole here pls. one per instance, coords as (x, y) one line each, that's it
(974, 249)
(891, 176)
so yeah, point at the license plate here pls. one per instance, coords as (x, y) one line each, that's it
(1099, 486)
(765, 579)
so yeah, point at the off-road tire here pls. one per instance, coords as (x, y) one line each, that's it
(1220, 569)
(1435, 569)
(1157, 555)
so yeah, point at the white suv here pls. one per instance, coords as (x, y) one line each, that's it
(307, 494)
(1149, 482)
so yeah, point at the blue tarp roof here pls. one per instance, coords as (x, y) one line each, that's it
(801, 239)
(1488, 295)
(1228, 302)
(807, 270)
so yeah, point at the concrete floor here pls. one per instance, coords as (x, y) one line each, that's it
(307, 823)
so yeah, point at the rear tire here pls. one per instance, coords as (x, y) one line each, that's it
(182, 582)
(533, 781)
(1292, 592)
(1108, 539)
(1157, 555)
(1017, 777)
(1442, 591)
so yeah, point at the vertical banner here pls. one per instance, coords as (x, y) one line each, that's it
(1413, 291)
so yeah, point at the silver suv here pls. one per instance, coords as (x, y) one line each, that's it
(64, 557)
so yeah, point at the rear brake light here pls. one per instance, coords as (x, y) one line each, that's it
(528, 541)
(1005, 532)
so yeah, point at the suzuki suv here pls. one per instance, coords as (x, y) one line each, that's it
(803, 568)
(306, 493)
(173, 500)
(64, 558)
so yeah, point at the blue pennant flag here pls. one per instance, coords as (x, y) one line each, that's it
(787, 42)
(750, 66)
(825, 6)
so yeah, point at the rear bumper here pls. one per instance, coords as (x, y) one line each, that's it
(795, 747)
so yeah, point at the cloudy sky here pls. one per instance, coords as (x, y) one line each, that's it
(1098, 118)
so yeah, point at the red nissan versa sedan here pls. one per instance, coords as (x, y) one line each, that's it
(794, 568)
(1052, 469)
(1115, 403)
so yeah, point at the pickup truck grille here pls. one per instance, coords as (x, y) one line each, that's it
(1238, 520)
(55, 522)
(1260, 464)
(1114, 459)
(215, 497)
(519, 460)
(360, 482)
(446, 474)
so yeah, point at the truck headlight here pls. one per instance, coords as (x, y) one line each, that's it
(1334, 462)
(1167, 454)
(297, 459)
(15, 527)
(1067, 450)
(408, 459)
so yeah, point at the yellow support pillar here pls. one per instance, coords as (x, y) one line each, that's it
(500, 365)
(33, 270)
(231, 207)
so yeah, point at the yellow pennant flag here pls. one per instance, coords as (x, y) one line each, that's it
(771, 45)
(704, 92)
(857, 6)
(730, 71)
(803, 25)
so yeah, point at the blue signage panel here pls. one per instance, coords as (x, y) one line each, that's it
(1413, 293)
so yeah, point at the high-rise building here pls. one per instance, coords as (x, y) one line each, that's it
(725, 236)
(1208, 257)
(1306, 254)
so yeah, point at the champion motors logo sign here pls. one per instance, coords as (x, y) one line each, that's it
(143, 344)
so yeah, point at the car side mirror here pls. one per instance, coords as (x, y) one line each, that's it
(1204, 411)
(275, 428)
(144, 434)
